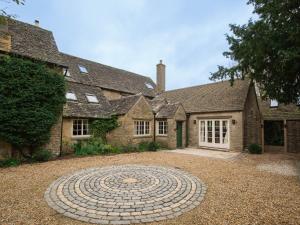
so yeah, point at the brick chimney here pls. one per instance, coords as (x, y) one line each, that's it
(5, 38)
(160, 77)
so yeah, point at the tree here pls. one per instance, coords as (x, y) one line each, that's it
(267, 50)
(3, 12)
(31, 100)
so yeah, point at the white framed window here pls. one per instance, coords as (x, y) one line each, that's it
(82, 69)
(214, 133)
(162, 127)
(81, 127)
(66, 72)
(71, 96)
(274, 103)
(141, 128)
(92, 98)
(149, 85)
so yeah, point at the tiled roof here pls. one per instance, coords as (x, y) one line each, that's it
(282, 112)
(81, 107)
(214, 97)
(123, 105)
(107, 77)
(33, 42)
(167, 110)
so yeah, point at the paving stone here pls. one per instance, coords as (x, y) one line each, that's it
(125, 194)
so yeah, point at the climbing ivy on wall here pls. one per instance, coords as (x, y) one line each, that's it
(100, 127)
(31, 100)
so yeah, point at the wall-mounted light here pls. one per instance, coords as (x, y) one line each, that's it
(233, 122)
(195, 121)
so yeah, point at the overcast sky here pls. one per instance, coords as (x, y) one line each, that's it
(188, 35)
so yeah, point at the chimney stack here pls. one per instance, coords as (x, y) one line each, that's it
(160, 77)
(37, 23)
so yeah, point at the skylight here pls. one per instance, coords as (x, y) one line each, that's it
(66, 72)
(148, 85)
(274, 103)
(71, 96)
(92, 98)
(82, 69)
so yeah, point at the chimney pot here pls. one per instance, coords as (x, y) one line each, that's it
(160, 61)
(37, 23)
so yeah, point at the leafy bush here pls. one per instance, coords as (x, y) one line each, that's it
(128, 148)
(100, 127)
(94, 146)
(148, 146)
(9, 162)
(153, 146)
(255, 149)
(42, 155)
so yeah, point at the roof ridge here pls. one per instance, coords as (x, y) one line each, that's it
(29, 24)
(201, 85)
(89, 60)
(126, 97)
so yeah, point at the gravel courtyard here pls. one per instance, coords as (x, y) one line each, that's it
(242, 190)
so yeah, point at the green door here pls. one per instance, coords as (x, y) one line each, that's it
(179, 133)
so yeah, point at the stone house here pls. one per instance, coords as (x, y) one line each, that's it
(213, 116)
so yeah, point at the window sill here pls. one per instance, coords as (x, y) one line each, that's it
(81, 137)
(142, 136)
(161, 135)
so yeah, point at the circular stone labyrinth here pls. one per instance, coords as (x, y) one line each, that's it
(125, 194)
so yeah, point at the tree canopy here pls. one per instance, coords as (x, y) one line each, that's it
(4, 13)
(267, 50)
(31, 100)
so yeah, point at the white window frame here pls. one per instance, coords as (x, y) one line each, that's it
(274, 103)
(213, 143)
(66, 72)
(92, 98)
(83, 69)
(71, 96)
(141, 128)
(162, 128)
(80, 131)
(149, 85)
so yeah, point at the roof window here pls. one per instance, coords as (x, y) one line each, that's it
(274, 103)
(71, 96)
(82, 69)
(148, 85)
(66, 72)
(92, 98)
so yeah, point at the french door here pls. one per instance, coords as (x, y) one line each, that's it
(214, 133)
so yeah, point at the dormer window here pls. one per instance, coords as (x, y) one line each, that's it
(92, 98)
(148, 85)
(274, 103)
(82, 69)
(66, 72)
(71, 96)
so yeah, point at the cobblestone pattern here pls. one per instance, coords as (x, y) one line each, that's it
(125, 194)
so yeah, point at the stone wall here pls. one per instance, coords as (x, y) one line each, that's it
(252, 128)
(124, 134)
(111, 95)
(236, 130)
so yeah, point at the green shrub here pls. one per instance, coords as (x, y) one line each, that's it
(255, 149)
(153, 146)
(143, 146)
(128, 148)
(42, 155)
(94, 146)
(9, 162)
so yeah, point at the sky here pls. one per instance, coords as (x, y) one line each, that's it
(188, 35)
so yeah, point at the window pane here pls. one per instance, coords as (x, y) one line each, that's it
(202, 131)
(92, 98)
(147, 130)
(71, 96)
(217, 131)
(209, 131)
(225, 131)
(82, 69)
